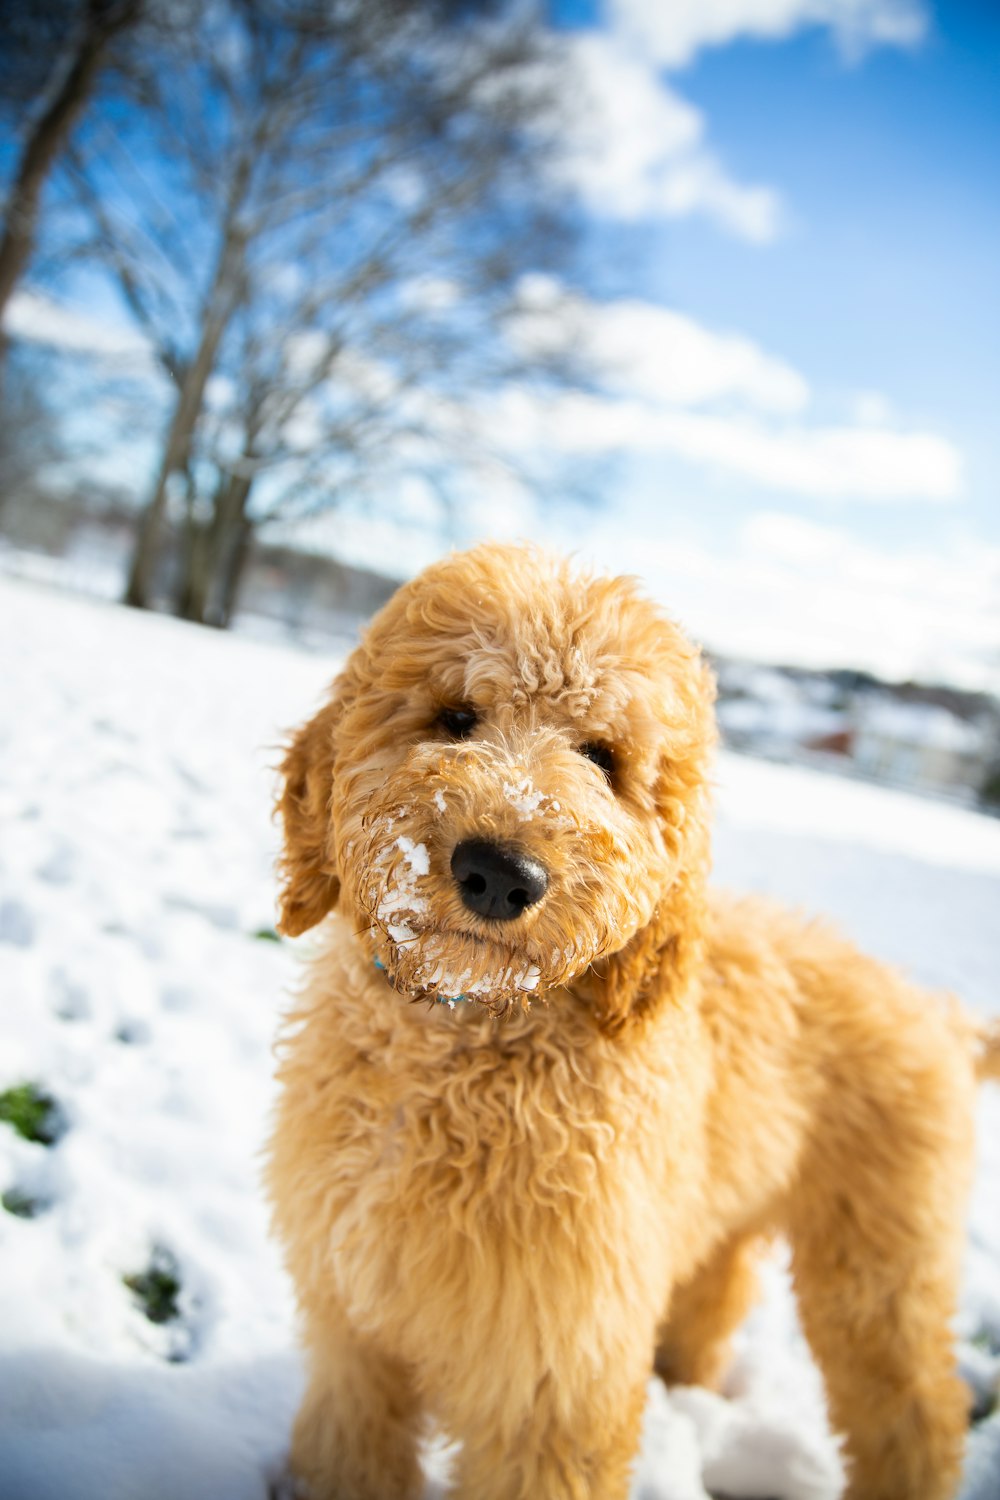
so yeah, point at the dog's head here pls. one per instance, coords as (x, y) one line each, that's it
(506, 792)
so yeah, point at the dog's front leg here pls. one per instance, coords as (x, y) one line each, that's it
(355, 1437)
(551, 1454)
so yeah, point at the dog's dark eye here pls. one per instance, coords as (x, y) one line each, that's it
(601, 755)
(459, 722)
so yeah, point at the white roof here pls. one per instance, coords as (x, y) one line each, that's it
(924, 724)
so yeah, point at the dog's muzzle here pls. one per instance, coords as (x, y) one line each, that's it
(499, 881)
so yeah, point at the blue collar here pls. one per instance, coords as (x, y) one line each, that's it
(441, 999)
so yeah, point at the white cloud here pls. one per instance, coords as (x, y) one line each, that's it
(302, 351)
(780, 589)
(715, 399)
(930, 614)
(653, 352)
(792, 539)
(305, 429)
(36, 318)
(635, 149)
(672, 33)
(431, 294)
(871, 409)
(845, 463)
(792, 590)
(825, 462)
(220, 393)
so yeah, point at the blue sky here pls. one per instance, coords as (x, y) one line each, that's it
(887, 274)
(793, 239)
(878, 281)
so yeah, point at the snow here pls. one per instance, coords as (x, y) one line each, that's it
(523, 797)
(136, 874)
(415, 855)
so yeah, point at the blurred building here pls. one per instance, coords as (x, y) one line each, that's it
(922, 745)
(927, 739)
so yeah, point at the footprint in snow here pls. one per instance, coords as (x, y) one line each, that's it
(23, 1205)
(69, 998)
(157, 1292)
(190, 778)
(17, 925)
(58, 868)
(189, 831)
(133, 1033)
(115, 730)
(224, 917)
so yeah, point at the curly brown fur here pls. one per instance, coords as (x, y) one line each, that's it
(503, 1211)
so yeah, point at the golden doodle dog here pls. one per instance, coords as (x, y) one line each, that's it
(503, 1208)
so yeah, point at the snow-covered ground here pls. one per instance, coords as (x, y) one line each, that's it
(135, 878)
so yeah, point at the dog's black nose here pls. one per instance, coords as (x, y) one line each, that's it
(496, 880)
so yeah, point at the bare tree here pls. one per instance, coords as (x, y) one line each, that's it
(342, 203)
(372, 380)
(29, 439)
(93, 26)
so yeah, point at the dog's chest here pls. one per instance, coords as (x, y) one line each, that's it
(477, 1171)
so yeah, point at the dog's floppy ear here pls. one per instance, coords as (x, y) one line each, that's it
(310, 883)
(657, 966)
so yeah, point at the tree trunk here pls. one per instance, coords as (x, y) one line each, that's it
(215, 554)
(235, 568)
(140, 578)
(175, 455)
(196, 583)
(222, 302)
(48, 135)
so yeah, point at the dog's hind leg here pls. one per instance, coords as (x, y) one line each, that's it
(355, 1437)
(693, 1347)
(876, 1251)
